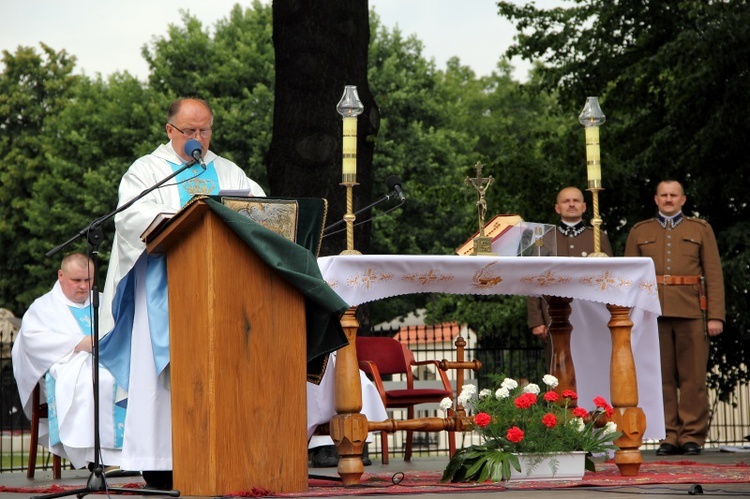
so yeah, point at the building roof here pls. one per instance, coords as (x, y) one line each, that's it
(446, 332)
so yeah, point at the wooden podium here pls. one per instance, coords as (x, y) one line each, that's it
(238, 362)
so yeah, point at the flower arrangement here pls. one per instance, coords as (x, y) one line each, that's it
(518, 419)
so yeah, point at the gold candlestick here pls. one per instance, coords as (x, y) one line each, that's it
(349, 107)
(482, 243)
(591, 118)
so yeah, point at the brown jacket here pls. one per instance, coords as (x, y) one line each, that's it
(580, 245)
(689, 249)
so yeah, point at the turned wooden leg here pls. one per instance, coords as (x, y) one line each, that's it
(560, 329)
(629, 418)
(348, 427)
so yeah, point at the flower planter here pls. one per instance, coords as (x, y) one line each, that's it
(562, 466)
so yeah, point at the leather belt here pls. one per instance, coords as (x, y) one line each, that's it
(678, 280)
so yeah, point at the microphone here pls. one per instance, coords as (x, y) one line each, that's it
(194, 149)
(394, 183)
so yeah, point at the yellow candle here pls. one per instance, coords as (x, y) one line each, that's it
(593, 161)
(349, 148)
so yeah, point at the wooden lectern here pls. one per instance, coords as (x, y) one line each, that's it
(238, 362)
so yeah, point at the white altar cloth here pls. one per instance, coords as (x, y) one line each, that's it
(592, 282)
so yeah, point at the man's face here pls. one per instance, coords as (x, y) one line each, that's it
(669, 198)
(75, 281)
(570, 205)
(191, 122)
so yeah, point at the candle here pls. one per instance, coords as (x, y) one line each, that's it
(593, 161)
(349, 147)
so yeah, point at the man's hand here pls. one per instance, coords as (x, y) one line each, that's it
(540, 332)
(85, 345)
(715, 327)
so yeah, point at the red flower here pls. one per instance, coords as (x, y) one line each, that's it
(600, 402)
(580, 412)
(570, 394)
(482, 419)
(525, 400)
(515, 434)
(551, 397)
(609, 410)
(549, 420)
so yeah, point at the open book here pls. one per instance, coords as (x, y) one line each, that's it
(156, 226)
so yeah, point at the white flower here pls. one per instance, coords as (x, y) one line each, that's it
(446, 403)
(509, 383)
(609, 428)
(579, 423)
(531, 388)
(467, 391)
(502, 393)
(486, 392)
(550, 381)
(470, 389)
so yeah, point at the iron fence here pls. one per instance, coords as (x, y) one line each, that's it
(730, 421)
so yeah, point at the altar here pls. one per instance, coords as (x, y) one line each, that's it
(593, 283)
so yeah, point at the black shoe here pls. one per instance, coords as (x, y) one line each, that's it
(691, 449)
(159, 479)
(366, 455)
(666, 449)
(325, 456)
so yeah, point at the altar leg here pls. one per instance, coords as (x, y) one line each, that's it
(348, 427)
(560, 329)
(629, 418)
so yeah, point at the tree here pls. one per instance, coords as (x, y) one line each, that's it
(672, 81)
(33, 88)
(320, 48)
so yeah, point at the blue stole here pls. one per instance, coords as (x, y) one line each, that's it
(82, 316)
(114, 348)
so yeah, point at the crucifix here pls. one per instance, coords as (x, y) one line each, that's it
(482, 243)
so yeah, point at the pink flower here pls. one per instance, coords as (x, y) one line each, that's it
(551, 397)
(549, 420)
(515, 434)
(482, 419)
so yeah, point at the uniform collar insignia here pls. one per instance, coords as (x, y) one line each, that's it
(669, 223)
(571, 230)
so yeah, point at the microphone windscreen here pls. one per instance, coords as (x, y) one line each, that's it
(191, 146)
(392, 181)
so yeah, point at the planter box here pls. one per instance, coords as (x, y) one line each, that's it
(564, 466)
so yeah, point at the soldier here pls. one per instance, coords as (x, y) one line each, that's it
(573, 239)
(691, 293)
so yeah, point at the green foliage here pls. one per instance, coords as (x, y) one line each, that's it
(517, 419)
(672, 80)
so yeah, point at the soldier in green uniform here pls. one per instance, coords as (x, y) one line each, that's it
(691, 293)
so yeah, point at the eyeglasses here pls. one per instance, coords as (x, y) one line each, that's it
(191, 132)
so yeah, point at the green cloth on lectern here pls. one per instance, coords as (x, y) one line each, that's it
(299, 267)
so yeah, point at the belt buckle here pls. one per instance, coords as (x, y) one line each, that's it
(664, 279)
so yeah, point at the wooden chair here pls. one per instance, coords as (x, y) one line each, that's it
(383, 356)
(39, 410)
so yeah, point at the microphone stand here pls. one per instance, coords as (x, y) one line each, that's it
(97, 480)
(384, 198)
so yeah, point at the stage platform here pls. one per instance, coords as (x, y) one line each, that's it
(711, 460)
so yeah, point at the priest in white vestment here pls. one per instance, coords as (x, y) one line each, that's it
(134, 301)
(53, 348)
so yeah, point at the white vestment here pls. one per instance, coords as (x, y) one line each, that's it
(148, 444)
(48, 335)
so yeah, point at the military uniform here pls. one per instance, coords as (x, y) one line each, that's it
(684, 249)
(575, 240)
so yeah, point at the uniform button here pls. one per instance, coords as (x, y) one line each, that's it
(572, 246)
(669, 244)
(583, 253)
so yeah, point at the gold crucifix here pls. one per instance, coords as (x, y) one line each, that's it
(482, 243)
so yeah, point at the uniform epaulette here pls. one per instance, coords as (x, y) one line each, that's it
(696, 219)
(644, 222)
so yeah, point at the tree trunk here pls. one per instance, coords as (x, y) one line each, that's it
(321, 47)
